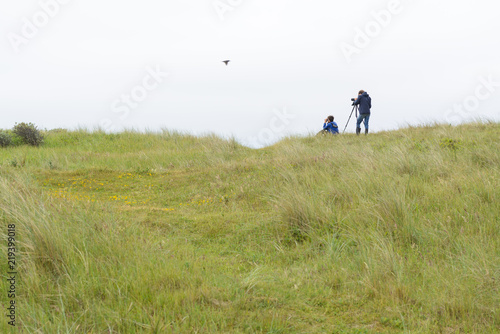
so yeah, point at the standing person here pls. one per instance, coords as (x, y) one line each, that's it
(365, 103)
(330, 126)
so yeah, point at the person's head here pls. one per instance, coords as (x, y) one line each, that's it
(361, 92)
(330, 118)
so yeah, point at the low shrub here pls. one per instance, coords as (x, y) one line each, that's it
(28, 133)
(5, 139)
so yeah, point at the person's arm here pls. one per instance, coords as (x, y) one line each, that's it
(325, 126)
(358, 101)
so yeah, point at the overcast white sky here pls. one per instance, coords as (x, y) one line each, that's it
(69, 63)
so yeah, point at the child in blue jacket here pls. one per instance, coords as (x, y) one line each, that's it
(330, 126)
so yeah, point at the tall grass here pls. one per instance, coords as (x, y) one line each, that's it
(393, 232)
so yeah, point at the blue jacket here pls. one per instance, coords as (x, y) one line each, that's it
(331, 127)
(365, 103)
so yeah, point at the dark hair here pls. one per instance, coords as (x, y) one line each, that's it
(330, 118)
(361, 92)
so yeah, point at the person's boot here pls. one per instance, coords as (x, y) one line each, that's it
(358, 131)
(366, 131)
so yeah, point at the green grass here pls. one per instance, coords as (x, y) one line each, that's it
(395, 232)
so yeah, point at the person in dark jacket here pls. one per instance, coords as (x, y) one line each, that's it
(365, 104)
(330, 126)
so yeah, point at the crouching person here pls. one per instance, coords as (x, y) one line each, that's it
(330, 126)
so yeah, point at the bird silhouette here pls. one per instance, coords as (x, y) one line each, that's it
(226, 61)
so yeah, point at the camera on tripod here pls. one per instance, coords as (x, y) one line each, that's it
(354, 108)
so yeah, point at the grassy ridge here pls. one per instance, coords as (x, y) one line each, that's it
(390, 233)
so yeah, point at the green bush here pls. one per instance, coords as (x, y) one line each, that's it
(5, 139)
(28, 133)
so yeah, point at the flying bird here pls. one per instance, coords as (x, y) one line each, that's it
(226, 62)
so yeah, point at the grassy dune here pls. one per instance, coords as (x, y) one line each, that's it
(396, 232)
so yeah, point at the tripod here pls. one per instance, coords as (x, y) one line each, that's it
(355, 107)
